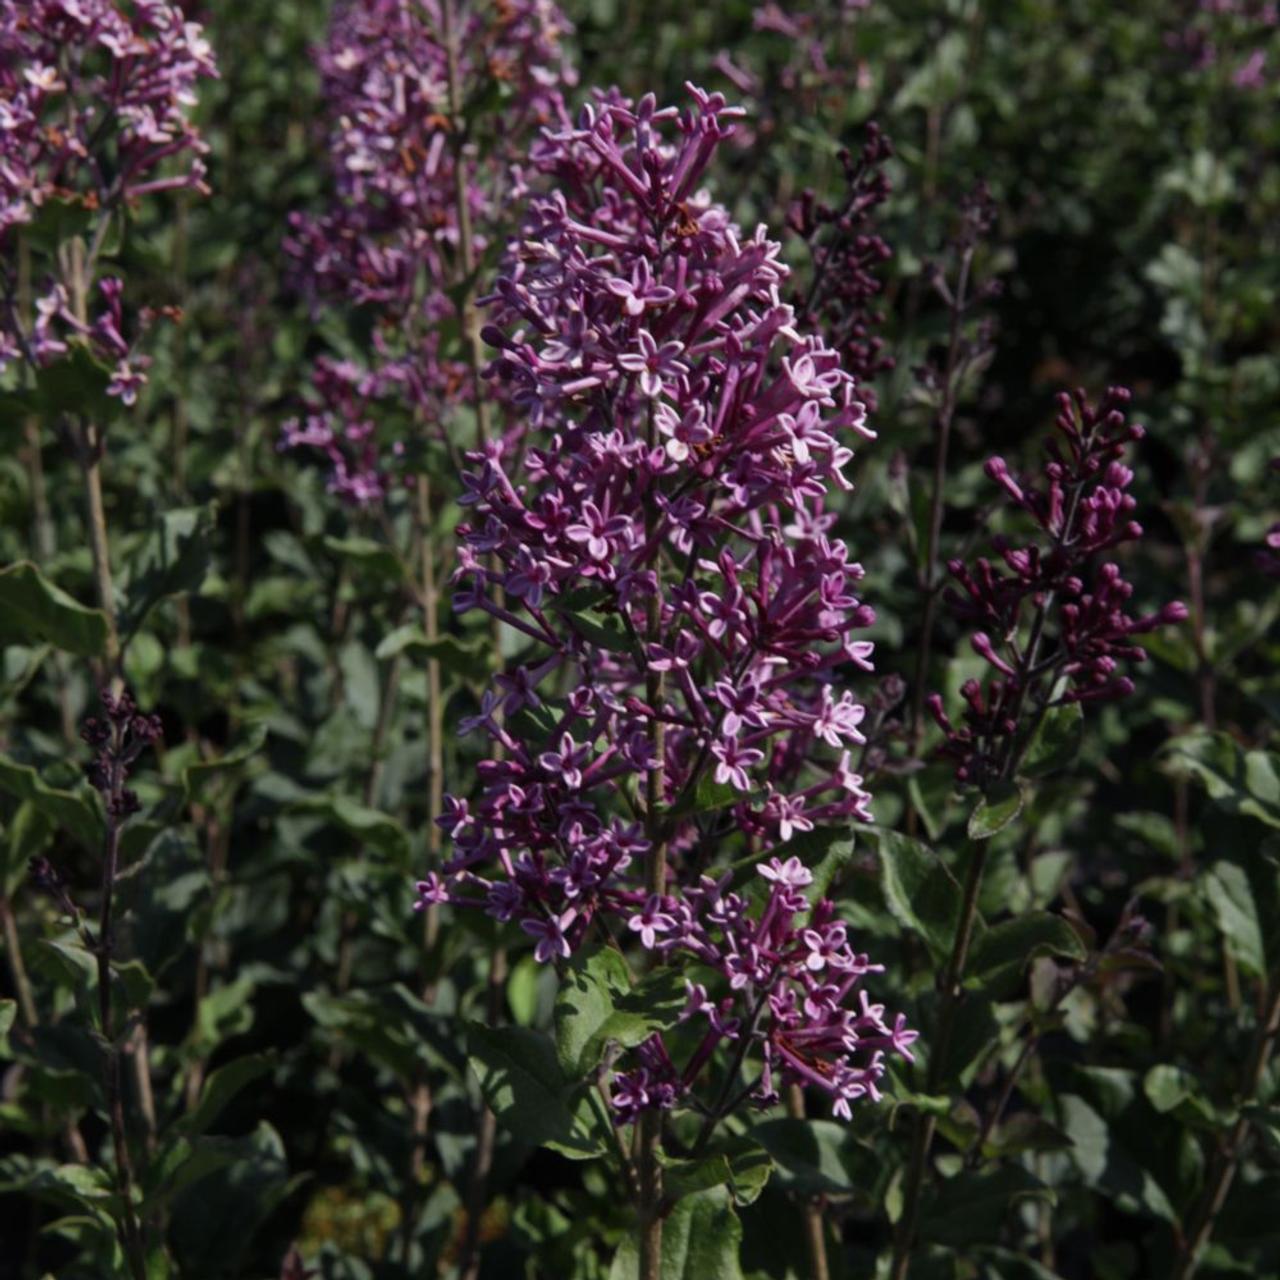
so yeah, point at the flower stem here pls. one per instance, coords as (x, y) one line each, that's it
(928, 579)
(950, 996)
(649, 1201)
(814, 1234)
(128, 1226)
(1227, 1159)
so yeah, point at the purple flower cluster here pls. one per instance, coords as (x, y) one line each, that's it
(55, 326)
(790, 973)
(94, 96)
(1054, 624)
(1268, 557)
(95, 103)
(118, 741)
(847, 255)
(389, 240)
(1233, 33)
(659, 539)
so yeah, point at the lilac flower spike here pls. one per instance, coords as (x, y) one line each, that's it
(1061, 617)
(95, 115)
(659, 540)
(388, 242)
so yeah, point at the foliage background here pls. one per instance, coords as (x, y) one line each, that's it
(1138, 210)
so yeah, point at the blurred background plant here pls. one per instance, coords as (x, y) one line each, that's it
(1073, 193)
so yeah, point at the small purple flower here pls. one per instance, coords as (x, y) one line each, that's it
(654, 363)
(650, 922)
(552, 943)
(733, 761)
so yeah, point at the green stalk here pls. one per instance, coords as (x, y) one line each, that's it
(950, 995)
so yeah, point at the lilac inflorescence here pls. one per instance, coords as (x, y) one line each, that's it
(118, 741)
(388, 242)
(848, 257)
(95, 114)
(1053, 624)
(658, 536)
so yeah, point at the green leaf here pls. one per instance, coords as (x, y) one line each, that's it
(393, 1028)
(596, 1005)
(1005, 950)
(76, 813)
(808, 1153)
(371, 827)
(76, 384)
(221, 1086)
(1055, 743)
(58, 219)
(223, 1013)
(182, 1161)
(701, 1238)
(214, 1218)
(973, 1204)
(408, 636)
(1025, 1131)
(468, 659)
(367, 555)
(1107, 1166)
(8, 1012)
(607, 630)
(739, 1164)
(521, 1080)
(1170, 1088)
(1231, 897)
(70, 1186)
(172, 560)
(194, 776)
(34, 611)
(920, 892)
(584, 1004)
(1240, 781)
(707, 796)
(995, 811)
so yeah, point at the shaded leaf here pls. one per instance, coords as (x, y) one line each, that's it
(1107, 1166)
(522, 1082)
(34, 611)
(1055, 743)
(220, 1087)
(806, 1152)
(76, 812)
(1005, 950)
(1243, 782)
(995, 811)
(1231, 897)
(172, 560)
(194, 776)
(700, 1241)
(973, 1204)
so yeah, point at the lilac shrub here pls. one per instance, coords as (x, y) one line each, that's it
(1055, 625)
(389, 241)
(656, 531)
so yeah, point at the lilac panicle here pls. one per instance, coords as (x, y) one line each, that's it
(1236, 35)
(95, 113)
(848, 255)
(388, 239)
(118, 741)
(655, 531)
(1052, 620)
